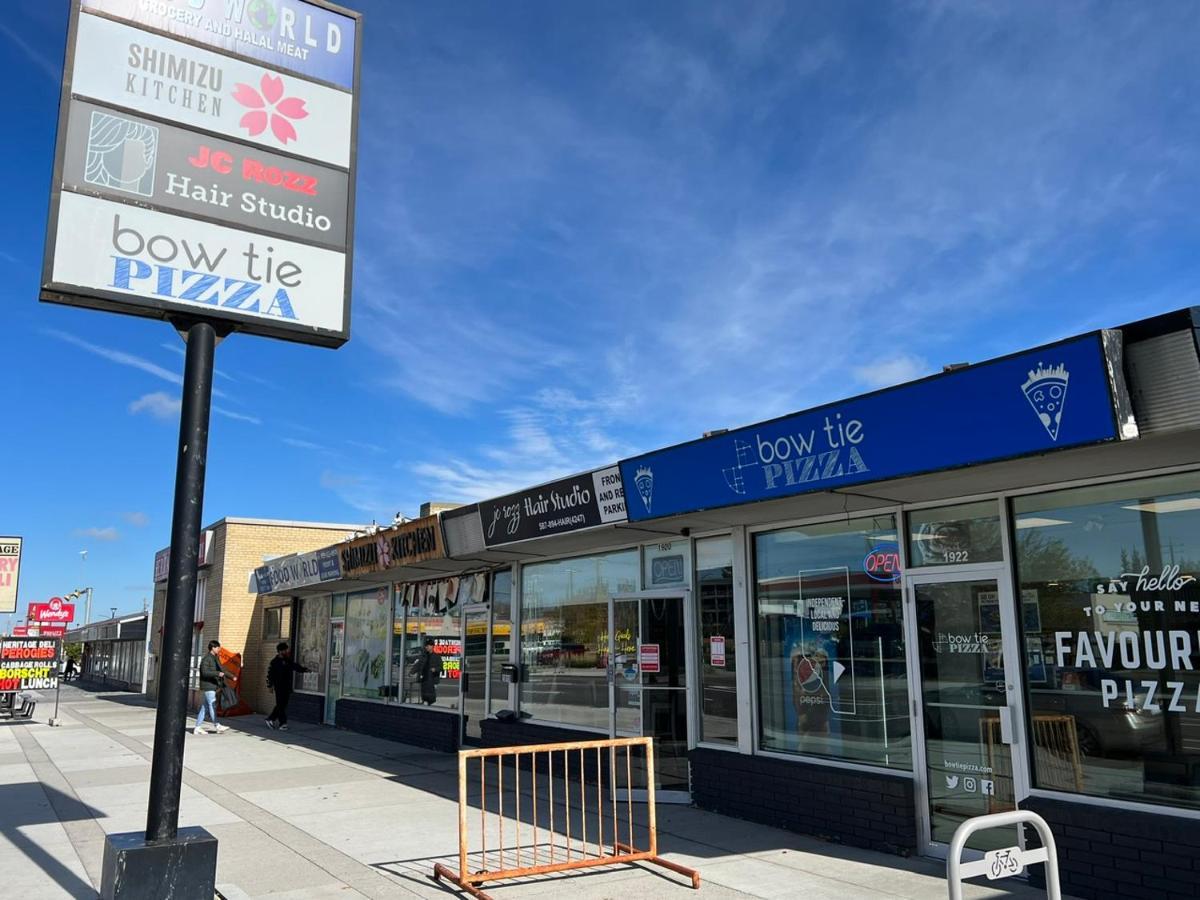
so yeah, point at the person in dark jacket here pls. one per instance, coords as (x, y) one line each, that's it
(428, 671)
(212, 678)
(279, 679)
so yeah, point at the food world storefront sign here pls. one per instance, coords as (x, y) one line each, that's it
(582, 501)
(162, 559)
(29, 664)
(1054, 397)
(54, 611)
(172, 193)
(299, 570)
(400, 545)
(10, 572)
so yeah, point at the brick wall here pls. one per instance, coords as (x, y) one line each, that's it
(407, 723)
(862, 809)
(1105, 852)
(232, 613)
(306, 708)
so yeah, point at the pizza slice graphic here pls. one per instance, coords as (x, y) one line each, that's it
(1046, 391)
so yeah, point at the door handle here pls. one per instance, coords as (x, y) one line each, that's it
(1006, 725)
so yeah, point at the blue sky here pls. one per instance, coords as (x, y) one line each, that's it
(588, 230)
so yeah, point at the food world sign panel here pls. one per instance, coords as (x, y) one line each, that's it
(124, 156)
(152, 259)
(125, 66)
(582, 501)
(299, 570)
(1046, 399)
(10, 572)
(289, 34)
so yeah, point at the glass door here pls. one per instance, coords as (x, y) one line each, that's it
(333, 691)
(966, 639)
(649, 684)
(477, 618)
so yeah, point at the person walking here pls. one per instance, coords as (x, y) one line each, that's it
(428, 671)
(212, 677)
(279, 679)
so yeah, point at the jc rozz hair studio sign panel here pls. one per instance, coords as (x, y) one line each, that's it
(189, 181)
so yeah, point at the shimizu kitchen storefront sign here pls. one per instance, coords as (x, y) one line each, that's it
(208, 182)
(400, 545)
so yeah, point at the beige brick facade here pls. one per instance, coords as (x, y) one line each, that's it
(233, 613)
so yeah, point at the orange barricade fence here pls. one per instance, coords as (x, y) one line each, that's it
(542, 808)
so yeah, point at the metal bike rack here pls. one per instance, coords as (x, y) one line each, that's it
(957, 870)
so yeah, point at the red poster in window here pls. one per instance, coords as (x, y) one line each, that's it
(717, 649)
(648, 656)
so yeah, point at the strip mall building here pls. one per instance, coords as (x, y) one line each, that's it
(867, 621)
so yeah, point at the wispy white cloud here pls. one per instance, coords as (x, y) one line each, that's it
(165, 407)
(41, 61)
(892, 370)
(236, 416)
(107, 534)
(120, 357)
(367, 494)
(301, 444)
(136, 518)
(156, 404)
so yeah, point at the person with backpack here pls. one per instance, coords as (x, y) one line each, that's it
(279, 679)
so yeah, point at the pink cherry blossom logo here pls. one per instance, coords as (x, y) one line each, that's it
(270, 106)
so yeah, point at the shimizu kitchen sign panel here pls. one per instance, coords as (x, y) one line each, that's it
(209, 181)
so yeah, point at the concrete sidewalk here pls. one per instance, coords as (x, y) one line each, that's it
(319, 812)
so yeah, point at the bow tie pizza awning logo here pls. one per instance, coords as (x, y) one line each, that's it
(269, 106)
(1046, 391)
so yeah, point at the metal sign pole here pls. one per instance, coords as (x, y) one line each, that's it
(54, 721)
(166, 769)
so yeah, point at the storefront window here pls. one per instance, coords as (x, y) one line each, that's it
(564, 635)
(832, 677)
(364, 662)
(955, 535)
(718, 653)
(501, 638)
(1111, 621)
(312, 643)
(431, 611)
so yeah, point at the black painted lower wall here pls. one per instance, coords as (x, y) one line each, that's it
(1105, 852)
(398, 722)
(862, 809)
(307, 708)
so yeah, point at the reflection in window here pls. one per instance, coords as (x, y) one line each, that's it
(832, 677)
(501, 638)
(427, 638)
(312, 643)
(718, 654)
(364, 662)
(1111, 618)
(564, 635)
(955, 535)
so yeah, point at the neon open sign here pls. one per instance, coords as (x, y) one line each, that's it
(883, 563)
